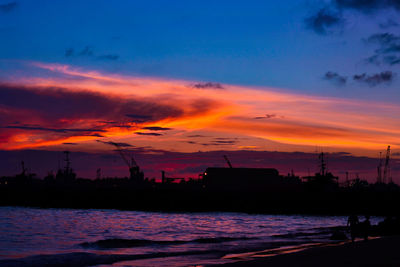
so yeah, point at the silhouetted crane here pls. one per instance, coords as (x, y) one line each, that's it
(386, 170)
(134, 170)
(227, 161)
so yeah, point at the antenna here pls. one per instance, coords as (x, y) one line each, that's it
(67, 161)
(322, 164)
(98, 173)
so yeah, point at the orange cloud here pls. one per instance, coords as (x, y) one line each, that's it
(133, 103)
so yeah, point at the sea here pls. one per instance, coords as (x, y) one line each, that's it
(83, 237)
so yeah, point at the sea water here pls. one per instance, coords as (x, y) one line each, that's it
(151, 238)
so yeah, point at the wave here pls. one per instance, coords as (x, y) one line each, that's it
(316, 232)
(129, 243)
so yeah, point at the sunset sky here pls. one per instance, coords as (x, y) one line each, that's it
(181, 83)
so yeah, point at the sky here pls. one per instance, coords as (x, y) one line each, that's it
(183, 83)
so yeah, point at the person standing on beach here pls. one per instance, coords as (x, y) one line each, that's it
(366, 225)
(353, 222)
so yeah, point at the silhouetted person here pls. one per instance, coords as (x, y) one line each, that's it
(353, 222)
(366, 226)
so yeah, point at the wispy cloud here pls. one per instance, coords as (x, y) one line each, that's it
(375, 79)
(88, 51)
(208, 85)
(389, 23)
(388, 51)
(335, 78)
(156, 128)
(323, 21)
(8, 7)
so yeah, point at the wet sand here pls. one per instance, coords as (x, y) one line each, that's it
(377, 252)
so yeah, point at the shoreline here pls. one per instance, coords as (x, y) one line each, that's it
(381, 251)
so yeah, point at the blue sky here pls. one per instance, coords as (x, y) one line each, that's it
(262, 43)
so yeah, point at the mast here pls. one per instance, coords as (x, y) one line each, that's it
(386, 170)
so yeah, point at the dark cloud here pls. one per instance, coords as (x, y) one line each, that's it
(69, 52)
(391, 60)
(150, 134)
(388, 51)
(116, 124)
(375, 79)
(196, 136)
(88, 51)
(73, 113)
(367, 6)
(383, 39)
(38, 128)
(323, 20)
(139, 118)
(108, 57)
(61, 103)
(156, 128)
(221, 141)
(208, 85)
(388, 24)
(267, 116)
(8, 7)
(72, 144)
(225, 142)
(335, 78)
(115, 143)
(332, 14)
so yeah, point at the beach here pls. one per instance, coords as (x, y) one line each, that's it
(375, 252)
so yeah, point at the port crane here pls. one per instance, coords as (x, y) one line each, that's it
(227, 161)
(134, 170)
(386, 170)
